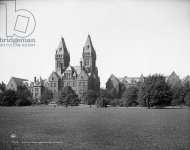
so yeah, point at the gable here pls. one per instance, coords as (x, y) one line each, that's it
(54, 77)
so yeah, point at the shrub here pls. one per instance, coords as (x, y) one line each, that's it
(130, 96)
(187, 99)
(68, 97)
(154, 91)
(9, 98)
(46, 96)
(102, 102)
(23, 102)
(114, 102)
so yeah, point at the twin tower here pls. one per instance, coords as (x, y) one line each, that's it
(80, 78)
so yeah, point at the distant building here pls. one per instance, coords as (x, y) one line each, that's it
(113, 84)
(173, 80)
(37, 88)
(14, 83)
(131, 81)
(79, 78)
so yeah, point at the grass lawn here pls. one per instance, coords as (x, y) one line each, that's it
(93, 128)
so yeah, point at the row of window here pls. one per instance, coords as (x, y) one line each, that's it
(53, 84)
(71, 83)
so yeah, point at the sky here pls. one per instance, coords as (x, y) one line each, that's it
(131, 37)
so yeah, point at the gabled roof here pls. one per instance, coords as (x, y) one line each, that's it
(115, 81)
(77, 69)
(83, 75)
(69, 68)
(54, 74)
(19, 81)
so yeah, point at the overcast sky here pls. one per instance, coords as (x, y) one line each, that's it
(130, 37)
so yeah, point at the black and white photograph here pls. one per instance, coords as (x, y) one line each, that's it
(95, 75)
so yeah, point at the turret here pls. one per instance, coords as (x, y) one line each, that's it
(89, 56)
(62, 57)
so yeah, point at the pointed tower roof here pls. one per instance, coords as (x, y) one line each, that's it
(88, 41)
(62, 49)
(88, 47)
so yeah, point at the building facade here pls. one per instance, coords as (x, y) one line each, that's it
(80, 78)
(14, 83)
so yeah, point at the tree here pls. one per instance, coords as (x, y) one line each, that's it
(9, 98)
(91, 97)
(24, 96)
(130, 96)
(154, 91)
(68, 97)
(46, 96)
(187, 99)
(177, 95)
(102, 100)
(2, 86)
(113, 87)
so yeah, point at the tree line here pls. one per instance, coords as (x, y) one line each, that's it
(154, 91)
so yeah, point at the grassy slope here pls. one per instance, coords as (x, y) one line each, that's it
(96, 128)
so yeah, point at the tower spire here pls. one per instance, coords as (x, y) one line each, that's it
(62, 57)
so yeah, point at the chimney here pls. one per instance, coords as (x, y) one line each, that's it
(34, 79)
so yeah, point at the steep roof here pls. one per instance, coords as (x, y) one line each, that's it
(54, 74)
(19, 81)
(88, 47)
(115, 81)
(62, 49)
(77, 69)
(83, 75)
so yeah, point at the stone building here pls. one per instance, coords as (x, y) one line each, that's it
(14, 83)
(37, 88)
(80, 78)
(131, 81)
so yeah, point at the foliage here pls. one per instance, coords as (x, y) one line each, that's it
(187, 99)
(154, 91)
(9, 98)
(46, 96)
(24, 96)
(177, 95)
(69, 97)
(91, 97)
(21, 97)
(102, 102)
(114, 102)
(130, 96)
(2, 87)
(23, 102)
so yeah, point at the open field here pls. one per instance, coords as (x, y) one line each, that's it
(97, 128)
